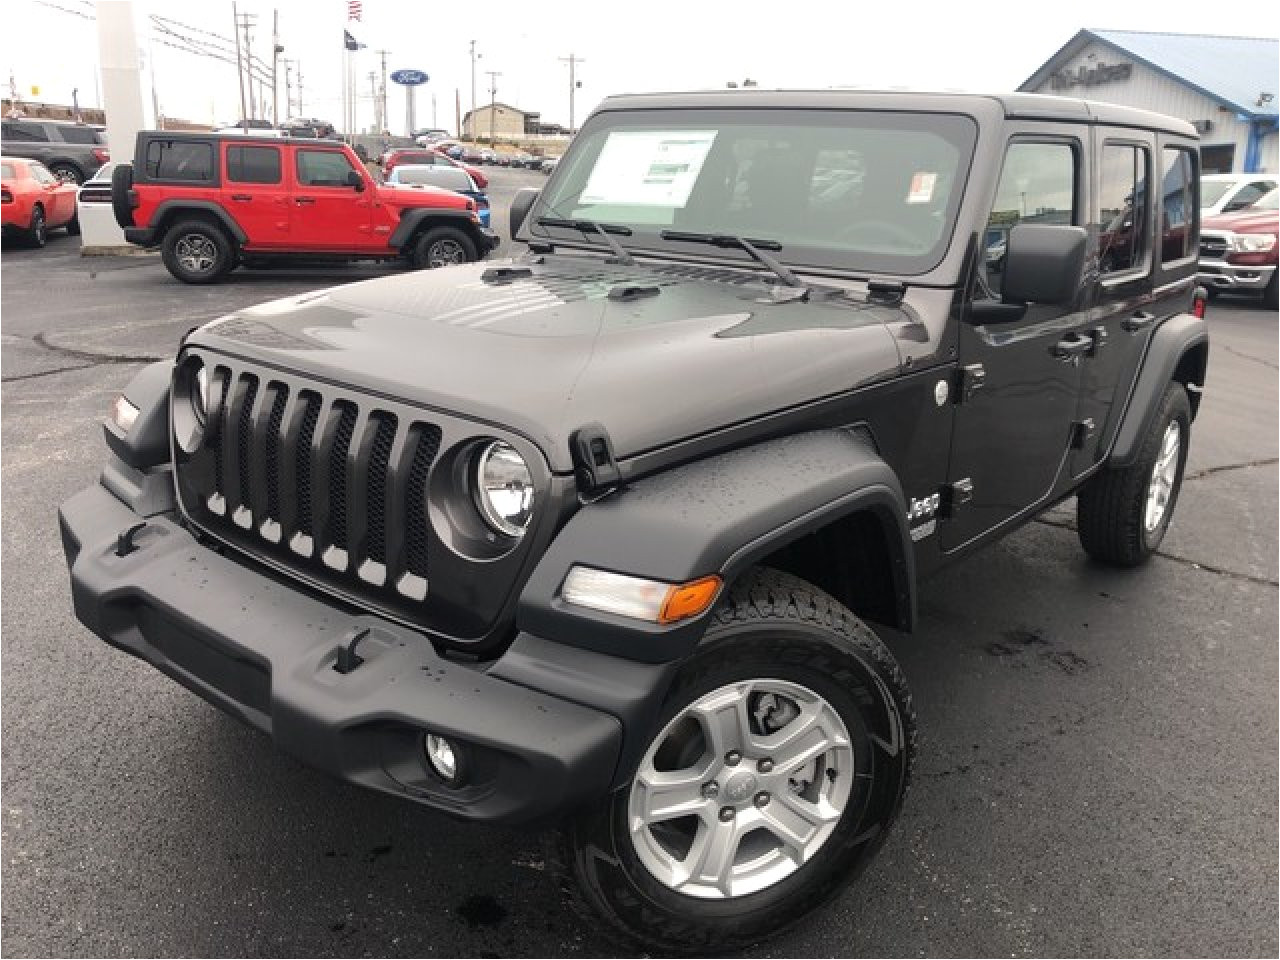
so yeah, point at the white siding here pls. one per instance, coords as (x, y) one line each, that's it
(1149, 90)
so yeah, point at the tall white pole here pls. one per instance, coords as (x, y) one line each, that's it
(122, 99)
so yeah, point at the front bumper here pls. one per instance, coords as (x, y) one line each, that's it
(265, 651)
(1221, 275)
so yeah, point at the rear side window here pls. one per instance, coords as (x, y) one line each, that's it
(323, 168)
(253, 164)
(26, 132)
(78, 134)
(179, 160)
(1122, 193)
(1177, 204)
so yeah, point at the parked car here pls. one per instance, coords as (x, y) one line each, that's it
(416, 176)
(72, 152)
(34, 201)
(548, 164)
(393, 158)
(598, 535)
(213, 201)
(1238, 250)
(1228, 192)
(471, 155)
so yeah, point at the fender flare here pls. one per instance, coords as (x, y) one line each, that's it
(410, 220)
(720, 515)
(1178, 350)
(171, 210)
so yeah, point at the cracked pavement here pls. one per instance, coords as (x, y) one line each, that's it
(1098, 749)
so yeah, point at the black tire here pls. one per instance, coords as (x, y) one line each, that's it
(1269, 299)
(38, 232)
(1111, 509)
(443, 246)
(67, 172)
(73, 226)
(195, 251)
(121, 184)
(771, 628)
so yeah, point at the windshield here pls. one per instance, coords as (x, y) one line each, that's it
(867, 191)
(1211, 191)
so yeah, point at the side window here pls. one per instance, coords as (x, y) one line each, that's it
(1122, 241)
(24, 132)
(253, 164)
(179, 160)
(1037, 185)
(1177, 204)
(323, 168)
(1246, 196)
(78, 134)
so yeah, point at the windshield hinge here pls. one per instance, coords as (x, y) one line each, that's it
(594, 465)
(886, 291)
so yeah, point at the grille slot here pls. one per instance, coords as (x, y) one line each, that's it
(338, 474)
(302, 461)
(424, 453)
(378, 463)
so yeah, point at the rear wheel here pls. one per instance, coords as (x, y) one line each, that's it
(38, 232)
(1122, 514)
(443, 247)
(779, 761)
(73, 226)
(196, 251)
(67, 173)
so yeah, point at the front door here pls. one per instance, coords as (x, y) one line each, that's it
(255, 193)
(1014, 419)
(330, 215)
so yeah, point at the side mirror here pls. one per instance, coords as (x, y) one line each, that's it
(1043, 263)
(521, 204)
(355, 180)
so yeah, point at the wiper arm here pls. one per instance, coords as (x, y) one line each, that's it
(590, 226)
(755, 248)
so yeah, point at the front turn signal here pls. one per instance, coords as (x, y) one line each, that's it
(639, 598)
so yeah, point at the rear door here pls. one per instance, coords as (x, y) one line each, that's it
(256, 194)
(327, 214)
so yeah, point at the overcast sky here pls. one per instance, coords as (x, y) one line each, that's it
(626, 47)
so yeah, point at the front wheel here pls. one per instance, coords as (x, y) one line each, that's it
(1122, 514)
(443, 247)
(780, 759)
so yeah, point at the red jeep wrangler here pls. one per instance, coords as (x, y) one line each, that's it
(211, 202)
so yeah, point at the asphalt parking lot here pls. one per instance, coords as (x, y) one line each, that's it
(1098, 752)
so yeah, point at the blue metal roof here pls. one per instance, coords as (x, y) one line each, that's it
(1231, 70)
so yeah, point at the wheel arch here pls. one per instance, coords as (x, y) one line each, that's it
(171, 212)
(415, 222)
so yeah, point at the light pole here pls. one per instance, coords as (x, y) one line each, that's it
(474, 57)
(493, 94)
(573, 84)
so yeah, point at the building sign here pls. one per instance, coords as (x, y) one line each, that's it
(409, 78)
(1085, 76)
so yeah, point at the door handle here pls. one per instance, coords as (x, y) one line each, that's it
(1139, 321)
(304, 200)
(242, 197)
(1073, 347)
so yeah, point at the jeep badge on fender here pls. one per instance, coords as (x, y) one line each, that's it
(598, 536)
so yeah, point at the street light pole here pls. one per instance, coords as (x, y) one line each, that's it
(474, 57)
(493, 93)
(244, 111)
(573, 85)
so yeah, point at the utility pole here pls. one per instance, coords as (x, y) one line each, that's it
(573, 84)
(299, 65)
(377, 106)
(244, 110)
(276, 50)
(493, 93)
(382, 96)
(246, 23)
(457, 110)
(288, 88)
(474, 57)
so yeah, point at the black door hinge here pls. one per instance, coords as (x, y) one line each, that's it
(594, 465)
(973, 378)
(959, 492)
(1081, 432)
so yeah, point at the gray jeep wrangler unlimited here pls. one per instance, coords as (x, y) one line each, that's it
(596, 536)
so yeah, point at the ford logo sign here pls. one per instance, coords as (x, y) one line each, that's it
(409, 78)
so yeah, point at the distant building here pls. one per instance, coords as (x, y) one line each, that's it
(1225, 86)
(508, 122)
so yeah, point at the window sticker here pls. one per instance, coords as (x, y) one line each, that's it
(922, 185)
(655, 168)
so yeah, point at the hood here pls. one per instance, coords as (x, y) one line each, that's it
(688, 351)
(419, 196)
(1244, 221)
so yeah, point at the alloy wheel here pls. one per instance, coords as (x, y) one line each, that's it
(1163, 476)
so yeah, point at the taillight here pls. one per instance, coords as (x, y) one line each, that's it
(101, 155)
(482, 203)
(6, 196)
(1200, 302)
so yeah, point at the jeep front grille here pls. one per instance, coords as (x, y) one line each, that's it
(334, 486)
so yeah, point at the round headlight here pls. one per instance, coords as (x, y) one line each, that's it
(504, 489)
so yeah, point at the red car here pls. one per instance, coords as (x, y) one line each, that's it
(35, 201)
(1238, 250)
(394, 158)
(212, 202)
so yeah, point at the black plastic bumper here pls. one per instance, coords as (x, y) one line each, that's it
(265, 651)
(140, 236)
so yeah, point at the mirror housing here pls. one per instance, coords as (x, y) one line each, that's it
(355, 180)
(521, 204)
(1044, 263)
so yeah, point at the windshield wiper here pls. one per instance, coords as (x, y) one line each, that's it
(589, 226)
(755, 248)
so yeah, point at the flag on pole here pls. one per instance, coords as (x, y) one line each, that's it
(350, 42)
(355, 8)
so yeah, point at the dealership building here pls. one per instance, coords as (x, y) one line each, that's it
(1225, 86)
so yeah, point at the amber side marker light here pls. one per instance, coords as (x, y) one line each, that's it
(636, 597)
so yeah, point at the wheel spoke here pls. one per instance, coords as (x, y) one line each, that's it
(795, 821)
(725, 722)
(664, 795)
(710, 859)
(808, 736)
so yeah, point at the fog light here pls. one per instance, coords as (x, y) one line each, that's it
(442, 758)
